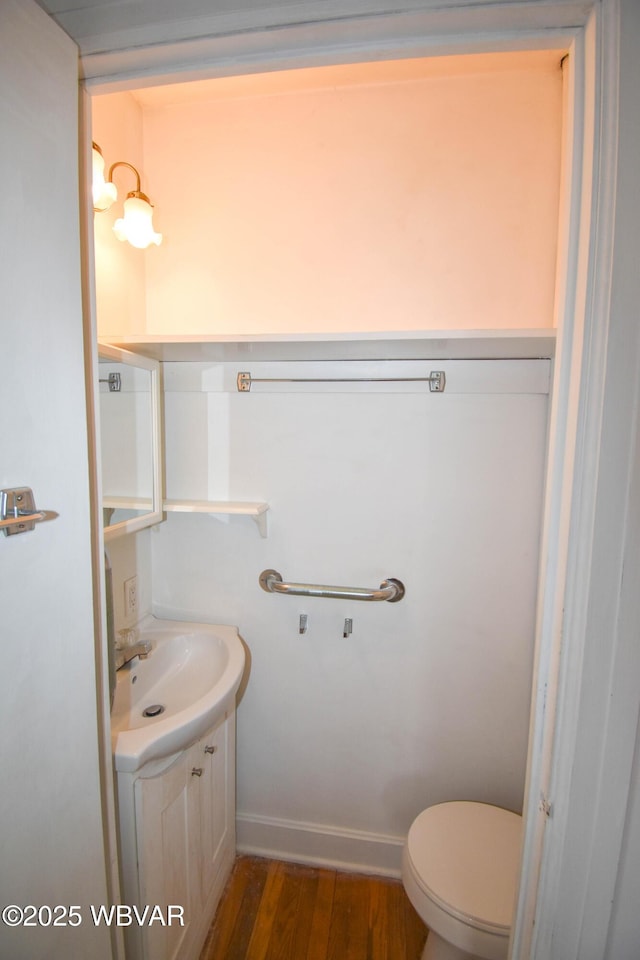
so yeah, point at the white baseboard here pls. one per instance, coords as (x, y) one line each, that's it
(319, 844)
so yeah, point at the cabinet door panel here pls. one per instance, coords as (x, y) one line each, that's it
(166, 812)
(215, 809)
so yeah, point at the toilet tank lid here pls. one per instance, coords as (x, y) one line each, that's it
(467, 856)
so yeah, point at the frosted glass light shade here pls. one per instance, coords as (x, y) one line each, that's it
(136, 226)
(104, 192)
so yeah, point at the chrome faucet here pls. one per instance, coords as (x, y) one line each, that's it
(125, 654)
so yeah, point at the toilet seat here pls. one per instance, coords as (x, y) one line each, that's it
(465, 858)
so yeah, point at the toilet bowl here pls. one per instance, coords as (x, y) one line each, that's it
(460, 867)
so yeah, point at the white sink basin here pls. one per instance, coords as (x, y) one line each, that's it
(193, 672)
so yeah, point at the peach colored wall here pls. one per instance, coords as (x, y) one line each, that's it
(120, 270)
(378, 197)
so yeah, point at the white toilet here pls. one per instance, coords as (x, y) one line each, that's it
(460, 868)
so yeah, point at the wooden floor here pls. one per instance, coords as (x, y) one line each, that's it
(272, 910)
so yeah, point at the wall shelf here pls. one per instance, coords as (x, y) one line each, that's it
(258, 511)
(396, 345)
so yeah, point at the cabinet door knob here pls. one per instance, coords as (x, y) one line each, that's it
(196, 772)
(209, 749)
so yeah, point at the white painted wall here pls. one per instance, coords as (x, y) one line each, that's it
(429, 698)
(130, 556)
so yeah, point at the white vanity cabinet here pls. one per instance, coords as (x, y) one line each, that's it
(181, 845)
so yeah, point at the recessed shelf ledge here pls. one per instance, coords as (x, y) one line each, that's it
(481, 344)
(258, 511)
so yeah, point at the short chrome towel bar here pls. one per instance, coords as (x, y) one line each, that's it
(390, 589)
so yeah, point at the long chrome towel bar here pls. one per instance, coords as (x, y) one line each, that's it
(436, 380)
(390, 589)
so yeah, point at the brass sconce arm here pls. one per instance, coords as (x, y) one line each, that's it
(124, 163)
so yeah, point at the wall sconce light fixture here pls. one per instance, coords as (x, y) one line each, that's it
(136, 225)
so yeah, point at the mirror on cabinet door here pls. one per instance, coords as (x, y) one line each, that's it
(130, 441)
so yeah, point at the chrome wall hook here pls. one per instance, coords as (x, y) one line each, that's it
(348, 627)
(304, 619)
